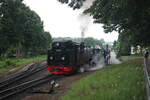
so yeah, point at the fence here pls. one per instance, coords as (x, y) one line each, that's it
(146, 75)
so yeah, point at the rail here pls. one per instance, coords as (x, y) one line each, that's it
(20, 76)
(146, 74)
(21, 87)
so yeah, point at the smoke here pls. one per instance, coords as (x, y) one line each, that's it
(85, 19)
(100, 62)
(87, 4)
(85, 23)
(113, 59)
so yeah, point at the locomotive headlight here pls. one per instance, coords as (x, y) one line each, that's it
(62, 58)
(51, 58)
(57, 44)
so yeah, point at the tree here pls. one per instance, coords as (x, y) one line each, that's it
(132, 16)
(21, 30)
(75, 4)
(116, 46)
(92, 42)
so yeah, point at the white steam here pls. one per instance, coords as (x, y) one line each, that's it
(85, 20)
(100, 62)
(113, 59)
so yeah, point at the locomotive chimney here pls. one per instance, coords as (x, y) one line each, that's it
(82, 34)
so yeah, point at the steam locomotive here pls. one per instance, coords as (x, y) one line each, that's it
(67, 57)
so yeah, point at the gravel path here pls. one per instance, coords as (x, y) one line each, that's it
(64, 86)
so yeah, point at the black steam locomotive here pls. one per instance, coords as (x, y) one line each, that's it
(67, 57)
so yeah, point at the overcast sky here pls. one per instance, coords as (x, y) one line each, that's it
(62, 21)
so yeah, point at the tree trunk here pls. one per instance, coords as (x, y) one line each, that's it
(19, 51)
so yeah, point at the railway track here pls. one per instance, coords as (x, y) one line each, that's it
(34, 68)
(22, 75)
(21, 87)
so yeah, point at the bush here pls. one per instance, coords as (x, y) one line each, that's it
(9, 63)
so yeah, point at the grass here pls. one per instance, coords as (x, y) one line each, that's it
(116, 82)
(126, 58)
(10, 63)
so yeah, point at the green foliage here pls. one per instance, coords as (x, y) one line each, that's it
(21, 30)
(116, 46)
(7, 64)
(128, 58)
(75, 4)
(124, 16)
(116, 82)
(124, 45)
(92, 42)
(129, 17)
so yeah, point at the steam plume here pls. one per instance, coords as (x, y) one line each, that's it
(85, 19)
